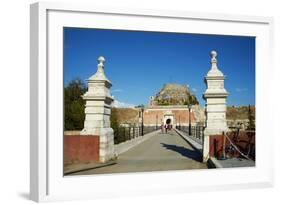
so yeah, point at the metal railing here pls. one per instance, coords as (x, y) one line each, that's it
(196, 132)
(241, 144)
(124, 133)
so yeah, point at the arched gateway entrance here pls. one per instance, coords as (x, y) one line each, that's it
(168, 121)
(169, 118)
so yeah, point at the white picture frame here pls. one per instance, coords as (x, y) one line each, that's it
(46, 176)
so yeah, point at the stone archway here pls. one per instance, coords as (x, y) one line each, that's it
(169, 118)
(168, 121)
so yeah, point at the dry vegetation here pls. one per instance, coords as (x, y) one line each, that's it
(242, 112)
(126, 115)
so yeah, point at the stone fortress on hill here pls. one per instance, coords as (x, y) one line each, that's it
(175, 105)
(173, 94)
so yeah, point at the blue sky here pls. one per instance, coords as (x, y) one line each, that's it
(139, 63)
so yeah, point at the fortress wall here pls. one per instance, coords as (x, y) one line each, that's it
(179, 116)
(150, 117)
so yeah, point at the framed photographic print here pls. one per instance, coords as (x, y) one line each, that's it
(125, 97)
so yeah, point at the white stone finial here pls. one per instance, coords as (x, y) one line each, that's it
(214, 59)
(213, 54)
(214, 67)
(99, 75)
(101, 60)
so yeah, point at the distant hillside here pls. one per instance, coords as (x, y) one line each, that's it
(125, 115)
(174, 94)
(241, 112)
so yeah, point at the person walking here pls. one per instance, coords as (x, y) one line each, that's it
(162, 128)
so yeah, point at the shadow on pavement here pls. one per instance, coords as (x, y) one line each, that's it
(191, 154)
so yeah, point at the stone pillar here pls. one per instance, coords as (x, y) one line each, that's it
(215, 98)
(98, 111)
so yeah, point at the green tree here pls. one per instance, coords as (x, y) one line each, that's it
(191, 100)
(74, 105)
(114, 119)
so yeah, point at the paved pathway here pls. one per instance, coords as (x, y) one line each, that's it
(160, 152)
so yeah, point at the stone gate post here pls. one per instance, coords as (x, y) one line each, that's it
(215, 99)
(98, 111)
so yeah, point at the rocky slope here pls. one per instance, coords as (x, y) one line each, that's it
(175, 94)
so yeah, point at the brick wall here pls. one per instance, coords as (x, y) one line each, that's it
(81, 148)
(216, 145)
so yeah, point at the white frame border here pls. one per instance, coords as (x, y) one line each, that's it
(39, 175)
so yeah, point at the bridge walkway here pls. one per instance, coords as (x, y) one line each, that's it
(159, 153)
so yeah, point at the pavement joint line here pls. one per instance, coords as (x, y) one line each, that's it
(90, 167)
(195, 145)
(215, 162)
